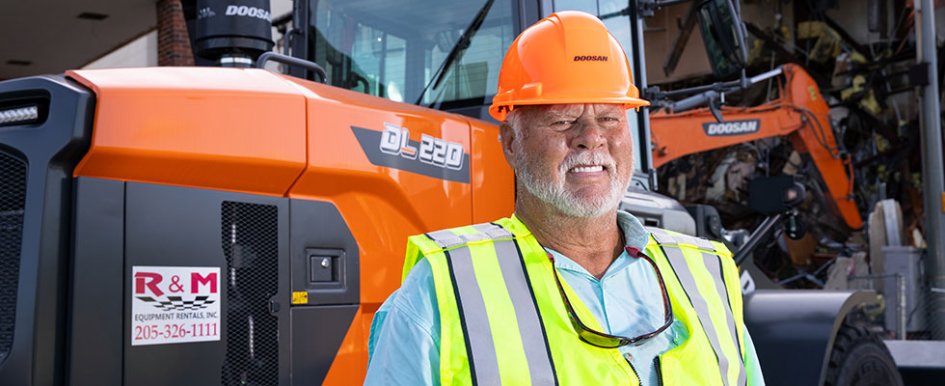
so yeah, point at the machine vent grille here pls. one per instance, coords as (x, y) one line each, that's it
(12, 203)
(251, 245)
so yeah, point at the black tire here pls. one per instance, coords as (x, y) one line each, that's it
(860, 358)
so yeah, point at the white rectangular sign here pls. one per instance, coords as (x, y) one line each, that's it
(175, 305)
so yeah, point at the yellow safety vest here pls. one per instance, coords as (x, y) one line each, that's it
(502, 319)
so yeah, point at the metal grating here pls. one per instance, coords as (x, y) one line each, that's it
(250, 236)
(12, 203)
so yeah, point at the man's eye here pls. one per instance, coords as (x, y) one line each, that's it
(561, 125)
(608, 121)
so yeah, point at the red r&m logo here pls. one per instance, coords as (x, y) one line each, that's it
(177, 288)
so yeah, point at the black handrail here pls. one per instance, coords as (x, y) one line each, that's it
(290, 60)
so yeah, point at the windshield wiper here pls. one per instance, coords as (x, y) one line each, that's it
(458, 49)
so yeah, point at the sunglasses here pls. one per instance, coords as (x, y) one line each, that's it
(601, 339)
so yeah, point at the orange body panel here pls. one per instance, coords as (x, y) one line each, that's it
(492, 178)
(383, 205)
(795, 114)
(230, 129)
(257, 132)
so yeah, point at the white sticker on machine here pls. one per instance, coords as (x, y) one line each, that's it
(175, 305)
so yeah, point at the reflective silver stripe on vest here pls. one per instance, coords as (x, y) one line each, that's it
(661, 236)
(493, 231)
(664, 238)
(714, 265)
(485, 365)
(678, 261)
(447, 239)
(526, 312)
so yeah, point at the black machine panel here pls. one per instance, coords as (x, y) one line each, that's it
(200, 247)
(324, 255)
(95, 298)
(12, 205)
(250, 240)
(175, 285)
(38, 152)
(325, 286)
(317, 333)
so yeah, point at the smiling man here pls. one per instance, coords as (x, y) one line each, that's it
(569, 290)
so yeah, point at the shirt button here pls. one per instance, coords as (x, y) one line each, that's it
(628, 356)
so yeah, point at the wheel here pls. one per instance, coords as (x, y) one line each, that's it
(859, 358)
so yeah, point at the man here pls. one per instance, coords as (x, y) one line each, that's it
(568, 290)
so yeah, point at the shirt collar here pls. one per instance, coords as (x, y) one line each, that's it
(634, 234)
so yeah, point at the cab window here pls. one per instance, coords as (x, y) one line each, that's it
(402, 50)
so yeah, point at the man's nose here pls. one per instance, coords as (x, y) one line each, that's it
(589, 136)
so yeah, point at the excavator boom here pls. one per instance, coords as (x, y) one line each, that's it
(800, 114)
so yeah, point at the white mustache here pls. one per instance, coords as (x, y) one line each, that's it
(586, 158)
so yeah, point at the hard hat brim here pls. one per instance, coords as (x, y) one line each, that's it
(500, 111)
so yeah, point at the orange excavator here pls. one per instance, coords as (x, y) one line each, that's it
(799, 114)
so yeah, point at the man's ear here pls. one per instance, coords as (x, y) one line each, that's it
(507, 136)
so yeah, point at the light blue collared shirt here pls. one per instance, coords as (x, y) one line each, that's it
(405, 334)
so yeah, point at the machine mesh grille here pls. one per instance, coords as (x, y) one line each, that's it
(12, 202)
(251, 244)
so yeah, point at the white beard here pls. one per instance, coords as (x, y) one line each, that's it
(555, 194)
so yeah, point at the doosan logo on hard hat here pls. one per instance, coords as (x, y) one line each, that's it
(590, 58)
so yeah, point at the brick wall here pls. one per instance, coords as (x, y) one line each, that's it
(173, 40)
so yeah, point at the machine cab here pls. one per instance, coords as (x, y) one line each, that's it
(446, 55)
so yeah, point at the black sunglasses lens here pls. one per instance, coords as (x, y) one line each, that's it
(591, 336)
(599, 341)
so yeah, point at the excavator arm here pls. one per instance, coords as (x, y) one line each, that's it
(799, 114)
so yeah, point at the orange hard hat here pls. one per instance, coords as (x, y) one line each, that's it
(567, 57)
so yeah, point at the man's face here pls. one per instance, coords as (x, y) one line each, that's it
(577, 158)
